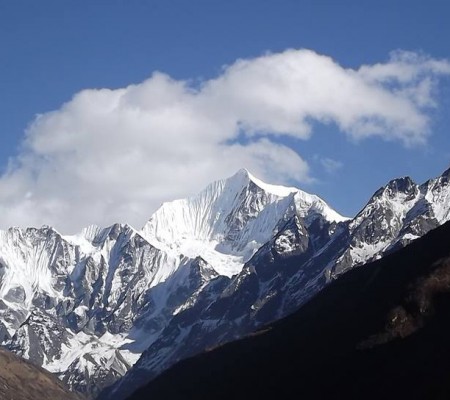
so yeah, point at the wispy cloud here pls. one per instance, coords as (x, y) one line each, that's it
(115, 155)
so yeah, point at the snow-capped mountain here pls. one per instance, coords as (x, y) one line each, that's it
(231, 219)
(396, 214)
(202, 271)
(308, 251)
(86, 306)
(377, 332)
(68, 303)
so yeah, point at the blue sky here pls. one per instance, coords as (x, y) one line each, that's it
(51, 50)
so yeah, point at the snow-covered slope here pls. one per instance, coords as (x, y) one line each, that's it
(232, 218)
(71, 304)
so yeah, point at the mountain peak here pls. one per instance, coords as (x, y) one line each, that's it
(404, 185)
(230, 217)
(245, 176)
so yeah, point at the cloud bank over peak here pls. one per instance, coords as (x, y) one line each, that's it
(115, 155)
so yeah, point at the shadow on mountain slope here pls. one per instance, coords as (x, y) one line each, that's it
(380, 331)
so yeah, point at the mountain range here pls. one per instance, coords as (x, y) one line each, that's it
(380, 331)
(114, 307)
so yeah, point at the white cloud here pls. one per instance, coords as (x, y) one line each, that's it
(115, 155)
